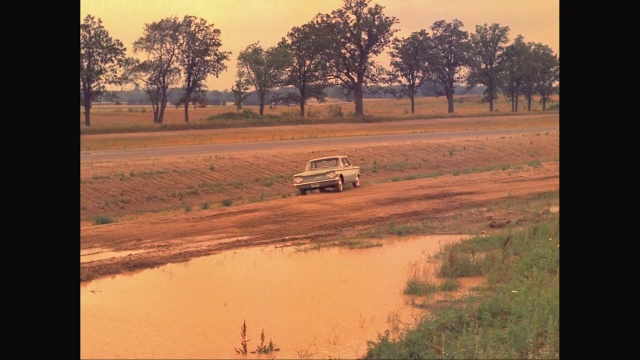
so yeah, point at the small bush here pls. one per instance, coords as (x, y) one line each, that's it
(102, 219)
(419, 288)
(450, 285)
(227, 202)
(335, 111)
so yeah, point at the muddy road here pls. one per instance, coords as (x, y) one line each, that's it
(169, 209)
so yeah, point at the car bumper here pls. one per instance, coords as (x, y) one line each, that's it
(316, 184)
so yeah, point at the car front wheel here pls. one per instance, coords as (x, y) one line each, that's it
(303, 192)
(357, 182)
(339, 185)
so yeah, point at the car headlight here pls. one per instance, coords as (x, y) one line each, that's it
(297, 180)
(331, 174)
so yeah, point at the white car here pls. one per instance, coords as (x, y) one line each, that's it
(327, 172)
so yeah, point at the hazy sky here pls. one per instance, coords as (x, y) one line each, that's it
(243, 22)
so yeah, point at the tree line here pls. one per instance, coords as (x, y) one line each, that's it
(336, 49)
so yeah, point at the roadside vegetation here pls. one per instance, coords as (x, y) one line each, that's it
(389, 115)
(516, 315)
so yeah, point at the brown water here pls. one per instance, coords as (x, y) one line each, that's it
(312, 304)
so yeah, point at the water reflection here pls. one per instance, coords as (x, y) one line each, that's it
(315, 304)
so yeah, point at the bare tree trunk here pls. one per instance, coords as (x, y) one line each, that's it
(357, 94)
(186, 111)
(413, 106)
(302, 101)
(87, 110)
(450, 101)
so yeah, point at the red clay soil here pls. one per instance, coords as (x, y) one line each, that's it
(171, 209)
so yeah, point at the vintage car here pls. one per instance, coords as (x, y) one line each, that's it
(327, 172)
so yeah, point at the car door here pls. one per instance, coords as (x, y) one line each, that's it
(349, 172)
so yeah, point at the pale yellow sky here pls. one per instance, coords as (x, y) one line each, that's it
(243, 22)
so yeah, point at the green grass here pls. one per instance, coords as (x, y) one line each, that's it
(517, 318)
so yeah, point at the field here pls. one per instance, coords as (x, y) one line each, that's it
(183, 206)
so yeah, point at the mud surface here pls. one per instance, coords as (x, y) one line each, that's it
(175, 208)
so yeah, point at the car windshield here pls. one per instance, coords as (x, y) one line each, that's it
(322, 164)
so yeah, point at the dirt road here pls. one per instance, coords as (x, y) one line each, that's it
(466, 185)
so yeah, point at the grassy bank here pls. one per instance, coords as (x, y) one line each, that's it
(515, 316)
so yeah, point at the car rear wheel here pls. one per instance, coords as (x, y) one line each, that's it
(357, 182)
(339, 185)
(303, 192)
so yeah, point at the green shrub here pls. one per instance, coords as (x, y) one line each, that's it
(102, 219)
(227, 202)
(419, 288)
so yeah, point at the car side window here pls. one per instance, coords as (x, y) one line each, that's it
(346, 162)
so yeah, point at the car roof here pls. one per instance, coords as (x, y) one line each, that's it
(328, 157)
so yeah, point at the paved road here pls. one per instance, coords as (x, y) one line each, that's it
(144, 153)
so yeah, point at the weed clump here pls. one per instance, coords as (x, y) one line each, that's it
(102, 219)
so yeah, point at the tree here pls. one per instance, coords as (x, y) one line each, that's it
(160, 42)
(517, 72)
(409, 65)
(487, 45)
(307, 46)
(240, 90)
(449, 56)
(199, 56)
(358, 32)
(263, 69)
(101, 60)
(547, 72)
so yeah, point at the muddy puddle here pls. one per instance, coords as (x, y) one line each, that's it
(310, 304)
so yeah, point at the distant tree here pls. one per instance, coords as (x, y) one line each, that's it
(358, 32)
(160, 42)
(263, 69)
(240, 90)
(516, 70)
(448, 56)
(101, 60)
(199, 56)
(546, 72)
(307, 71)
(487, 46)
(409, 65)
